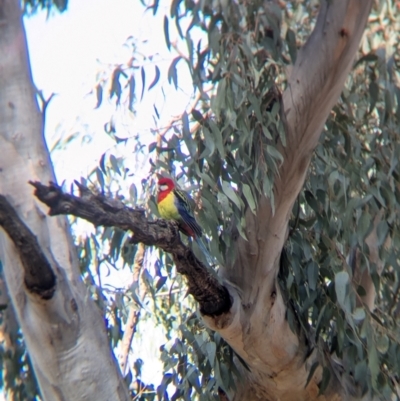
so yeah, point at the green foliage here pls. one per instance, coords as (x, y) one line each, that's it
(226, 149)
(197, 363)
(354, 177)
(32, 6)
(231, 149)
(17, 379)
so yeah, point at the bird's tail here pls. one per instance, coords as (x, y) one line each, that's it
(203, 249)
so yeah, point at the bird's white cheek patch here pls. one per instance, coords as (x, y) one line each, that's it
(163, 187)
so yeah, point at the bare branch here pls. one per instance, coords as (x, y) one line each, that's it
(126, 341)
(134, 314)
(213, 297)
(39, 276)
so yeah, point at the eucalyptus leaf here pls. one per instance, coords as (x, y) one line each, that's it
(341, 286)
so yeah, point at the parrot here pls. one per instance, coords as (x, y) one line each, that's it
(174, 204)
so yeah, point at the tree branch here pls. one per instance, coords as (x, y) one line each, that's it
(134, 314)
(213, 297)
(315, 84)
(38, 275)
(313, 88)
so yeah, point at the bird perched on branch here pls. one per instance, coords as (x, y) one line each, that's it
(174, 204)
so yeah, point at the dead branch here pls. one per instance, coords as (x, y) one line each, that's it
(38, 274)
(213, 297)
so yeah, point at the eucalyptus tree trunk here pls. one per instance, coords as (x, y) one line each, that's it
(256, 326)
(62, 327)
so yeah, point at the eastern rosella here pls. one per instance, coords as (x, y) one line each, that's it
(174, 204)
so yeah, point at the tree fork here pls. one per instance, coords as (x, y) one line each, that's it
(212, 296)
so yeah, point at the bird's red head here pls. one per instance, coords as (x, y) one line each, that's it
(165, 186)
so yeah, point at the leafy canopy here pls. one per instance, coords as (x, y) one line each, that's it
(227, 149)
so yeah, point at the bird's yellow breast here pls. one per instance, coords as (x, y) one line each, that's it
(167, 208)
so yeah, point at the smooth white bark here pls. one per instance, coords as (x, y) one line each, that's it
(65, 336)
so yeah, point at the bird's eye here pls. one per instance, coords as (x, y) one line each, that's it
(163, 187)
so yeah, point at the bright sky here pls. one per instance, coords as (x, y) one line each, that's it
(66, 52)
